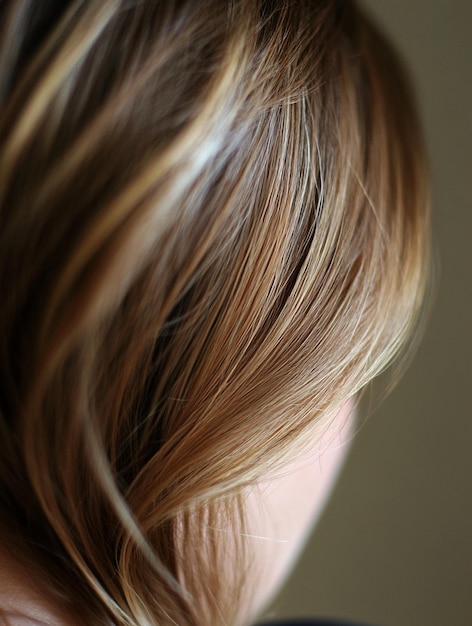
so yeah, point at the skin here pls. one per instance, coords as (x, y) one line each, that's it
(284, 510)
(23, 603)
(281, 510)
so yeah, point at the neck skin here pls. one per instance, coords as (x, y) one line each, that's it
(284, 509)
(23, 602)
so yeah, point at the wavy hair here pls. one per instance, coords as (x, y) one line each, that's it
(214, 230)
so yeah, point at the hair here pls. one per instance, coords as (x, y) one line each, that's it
(214, 230)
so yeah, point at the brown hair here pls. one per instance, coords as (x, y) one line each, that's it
(213, 232)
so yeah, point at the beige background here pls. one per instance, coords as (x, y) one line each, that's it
(394, 547)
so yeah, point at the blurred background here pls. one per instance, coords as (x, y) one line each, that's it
(394, 547)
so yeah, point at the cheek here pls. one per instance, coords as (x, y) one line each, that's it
(282, 511)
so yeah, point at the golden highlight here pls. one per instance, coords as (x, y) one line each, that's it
(214, 230)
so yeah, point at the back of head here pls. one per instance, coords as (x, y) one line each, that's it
(213, 232)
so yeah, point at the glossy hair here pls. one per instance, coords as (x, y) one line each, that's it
(214, 230)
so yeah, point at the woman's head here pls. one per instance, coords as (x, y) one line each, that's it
(213, 233)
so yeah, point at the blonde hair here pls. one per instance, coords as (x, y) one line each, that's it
(214, 230)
